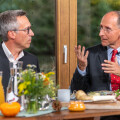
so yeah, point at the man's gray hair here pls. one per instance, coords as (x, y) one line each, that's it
(8, 22)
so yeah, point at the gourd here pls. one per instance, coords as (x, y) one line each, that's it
(76, 106)
(10, 109)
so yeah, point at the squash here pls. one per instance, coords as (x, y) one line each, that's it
(10, 109)
(76, 106)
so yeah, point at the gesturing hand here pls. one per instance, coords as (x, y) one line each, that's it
(111, 67)
(81, 56)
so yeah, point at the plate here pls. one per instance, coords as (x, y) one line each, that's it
(85, 101)
(101, 99)
(102, 93)
(98, 96)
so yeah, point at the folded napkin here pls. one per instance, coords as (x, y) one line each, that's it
(107, 97)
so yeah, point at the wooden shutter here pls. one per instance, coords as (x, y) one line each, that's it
(66, 34)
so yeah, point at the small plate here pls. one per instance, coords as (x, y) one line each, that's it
(85, 101)
(102, 92)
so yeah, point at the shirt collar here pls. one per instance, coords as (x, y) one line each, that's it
(109, 50)
(9, 54)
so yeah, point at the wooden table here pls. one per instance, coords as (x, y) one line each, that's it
(66, 115)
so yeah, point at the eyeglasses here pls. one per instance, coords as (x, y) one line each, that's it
(106, 29)
(26, 29)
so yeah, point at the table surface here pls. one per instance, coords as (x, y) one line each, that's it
(67, 115)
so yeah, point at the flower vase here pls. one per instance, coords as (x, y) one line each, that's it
(31, 105)
(44, 103)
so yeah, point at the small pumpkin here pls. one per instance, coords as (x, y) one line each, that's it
(76, 106)
(10, 109)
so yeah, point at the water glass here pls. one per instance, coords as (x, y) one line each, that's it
(19, 66)
(64, 95)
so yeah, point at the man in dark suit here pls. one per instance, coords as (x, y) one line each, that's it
(95, 65)
(16, 34)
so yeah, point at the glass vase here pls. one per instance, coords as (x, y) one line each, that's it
(44, 103)
(31, 105)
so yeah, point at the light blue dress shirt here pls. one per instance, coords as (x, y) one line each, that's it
(109, 54)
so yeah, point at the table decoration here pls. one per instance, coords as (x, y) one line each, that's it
(56, 105)
(25, 114)
(76, 106)
(35, 86)
(10, 109)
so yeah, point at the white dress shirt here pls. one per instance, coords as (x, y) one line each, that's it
(14, 61)
(9, 54)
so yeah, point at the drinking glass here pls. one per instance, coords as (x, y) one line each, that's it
(19, 66)
(10, 95)
(2, 98)
(15, 70)
(12, 69)
(64, 95)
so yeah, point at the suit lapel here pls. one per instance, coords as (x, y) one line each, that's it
(4, 60)
(4, 66)
(103, 56)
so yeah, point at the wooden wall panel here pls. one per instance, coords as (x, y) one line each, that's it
(66, 34)
(57, 42)
(73, 37)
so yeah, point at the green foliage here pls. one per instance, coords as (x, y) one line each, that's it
(41, 14)
(98, 12)
(42, 17)
(97, 9)
(117, 92)
(36, 84)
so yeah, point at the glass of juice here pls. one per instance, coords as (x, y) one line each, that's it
(2, 98)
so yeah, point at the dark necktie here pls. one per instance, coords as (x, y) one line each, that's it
(115, 80)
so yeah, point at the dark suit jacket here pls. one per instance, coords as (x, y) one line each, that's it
(95, 79)
(4, 65)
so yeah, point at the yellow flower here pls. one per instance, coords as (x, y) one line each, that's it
(32, 83)
(28, 83)
(49, 74)
(21, 87)
(29, 65)
(26, 92)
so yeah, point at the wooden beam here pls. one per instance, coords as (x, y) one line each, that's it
(66, 34)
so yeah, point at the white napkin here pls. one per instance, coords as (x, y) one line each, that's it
(107, 97)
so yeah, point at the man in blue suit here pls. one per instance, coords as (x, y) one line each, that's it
(16, 34)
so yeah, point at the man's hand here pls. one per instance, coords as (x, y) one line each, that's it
(81, 56)
(111, 67)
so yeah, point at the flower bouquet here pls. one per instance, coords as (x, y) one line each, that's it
(35, 86)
